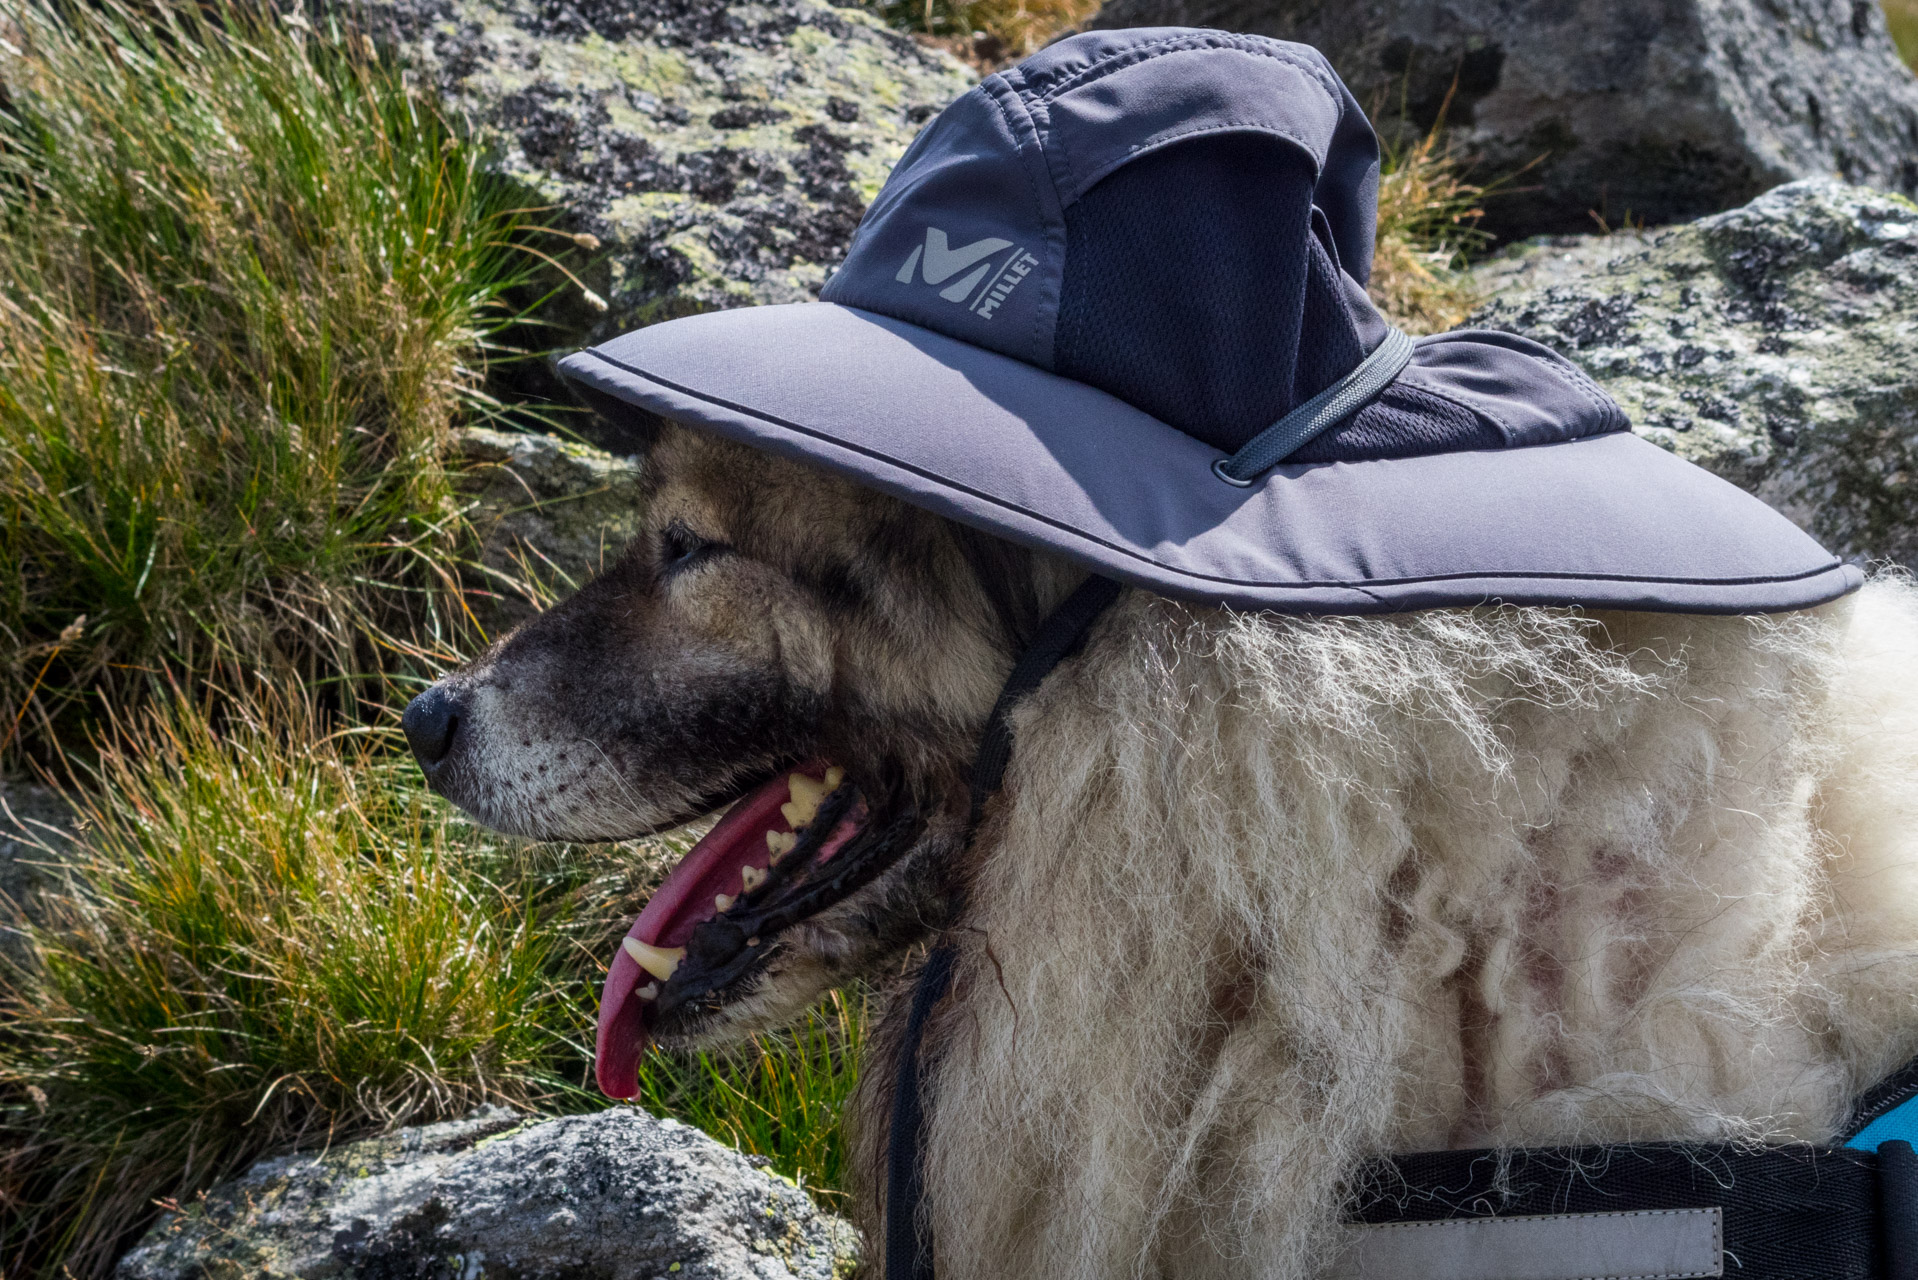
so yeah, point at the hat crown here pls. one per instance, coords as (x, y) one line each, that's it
(1181, 218)
(1097, 273)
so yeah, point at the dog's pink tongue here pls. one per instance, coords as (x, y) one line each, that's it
(670, 915)
(622, 1030)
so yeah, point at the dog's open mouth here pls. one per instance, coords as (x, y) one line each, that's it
(774, 859)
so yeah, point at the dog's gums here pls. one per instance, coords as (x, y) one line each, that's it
(758, 870)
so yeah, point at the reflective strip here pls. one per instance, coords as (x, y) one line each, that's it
(1651, 1244)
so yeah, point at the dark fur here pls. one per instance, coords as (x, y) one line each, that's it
(768, 614)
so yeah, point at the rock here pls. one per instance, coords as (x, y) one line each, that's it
(548, 512)
(616, 1195)
(721, 154)
(32, 820)
(1647, 110)
(1773, 344)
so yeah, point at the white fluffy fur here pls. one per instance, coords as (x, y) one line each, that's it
(1268, 895)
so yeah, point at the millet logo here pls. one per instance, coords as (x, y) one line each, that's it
(981, 289)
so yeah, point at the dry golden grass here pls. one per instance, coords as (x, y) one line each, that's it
(1428, 225)
(987, 34)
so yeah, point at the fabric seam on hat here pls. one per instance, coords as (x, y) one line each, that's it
(1195, 41)
(1264, 584)
(1044, 325)
(887, 197)
(1161, 142)
(1609, 410)
(1608, 407)
(1505, 428)
(1077, 185)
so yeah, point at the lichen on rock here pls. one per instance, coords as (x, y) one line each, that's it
(616, 1195)
(1773, 344)
(721, 153)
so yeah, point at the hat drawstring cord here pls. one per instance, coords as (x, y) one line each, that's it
(1320, 414)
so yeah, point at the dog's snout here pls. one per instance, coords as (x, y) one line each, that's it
(430, 721)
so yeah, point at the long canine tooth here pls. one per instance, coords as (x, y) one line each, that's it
(648, 992)
(723, 901)
(751, 878)
(658, 961)
(806, 795)
(779, 844)
(834, 776)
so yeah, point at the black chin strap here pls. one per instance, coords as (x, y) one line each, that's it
(908, 1238)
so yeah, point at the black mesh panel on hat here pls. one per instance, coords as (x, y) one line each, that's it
(1330, 348)
(1403, 422)
(1197, 288)
(1185, 284)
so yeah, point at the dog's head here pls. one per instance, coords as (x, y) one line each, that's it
(817, 655)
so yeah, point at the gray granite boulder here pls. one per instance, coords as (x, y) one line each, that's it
(1657, 110)
(721, 154)
(1776, 344)
(616, 1195)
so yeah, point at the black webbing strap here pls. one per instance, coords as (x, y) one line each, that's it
(1898, 1209)
(1789, 1212)
(908, 1238)
(908, 1241)
(1057, 639)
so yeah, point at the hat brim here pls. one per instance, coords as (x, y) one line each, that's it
(1609, 521)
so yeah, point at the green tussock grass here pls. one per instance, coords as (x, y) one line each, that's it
(264, 937)
(247, 276)
(267, 937)
(1902, 17)
(249, 280)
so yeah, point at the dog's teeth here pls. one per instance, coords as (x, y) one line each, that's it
(751, 878)
(806, 792)
(723, 901)
(648, 992)
(658, 961)
(806, 795)
(779, 844)
(834, 776)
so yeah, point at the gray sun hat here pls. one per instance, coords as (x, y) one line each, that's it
(1110, 304)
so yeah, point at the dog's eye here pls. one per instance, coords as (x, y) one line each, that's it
(680, 548)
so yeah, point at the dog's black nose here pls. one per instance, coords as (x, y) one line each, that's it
(429, 723)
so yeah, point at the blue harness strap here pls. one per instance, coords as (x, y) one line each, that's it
(1885, 1122)
(1887, 1110)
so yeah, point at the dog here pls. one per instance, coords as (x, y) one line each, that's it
(1262, 895)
